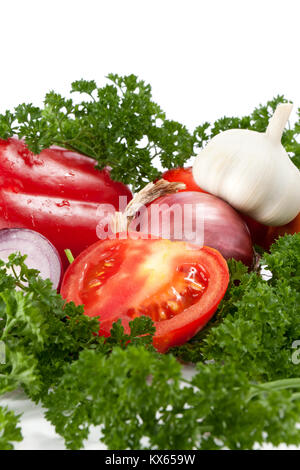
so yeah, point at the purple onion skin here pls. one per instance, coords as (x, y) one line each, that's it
(41, 254)
(223, 227)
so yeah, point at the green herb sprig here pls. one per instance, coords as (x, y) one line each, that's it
(245, 390)
(120, 126)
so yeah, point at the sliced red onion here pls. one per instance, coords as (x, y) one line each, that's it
(41, 254)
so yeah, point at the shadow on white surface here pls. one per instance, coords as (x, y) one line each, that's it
(38, 433)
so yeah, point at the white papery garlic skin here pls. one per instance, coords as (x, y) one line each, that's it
(252, 171)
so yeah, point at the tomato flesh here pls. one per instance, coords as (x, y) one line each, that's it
(187, 286)
(97, 276)
(177, 284)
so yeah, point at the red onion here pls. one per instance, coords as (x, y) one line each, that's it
(41, 254)
(198, 218)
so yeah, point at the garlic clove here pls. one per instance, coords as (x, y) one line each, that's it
(252, 171)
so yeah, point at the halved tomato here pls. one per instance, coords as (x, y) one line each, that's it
(177, 284)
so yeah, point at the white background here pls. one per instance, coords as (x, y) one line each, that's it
(204, 60)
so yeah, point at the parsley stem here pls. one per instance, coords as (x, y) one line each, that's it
(276, 385)
(69, 255)
(8, 327)
(296, 396)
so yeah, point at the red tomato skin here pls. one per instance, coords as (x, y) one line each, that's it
(274, 232)
(56, 193)
(183, 175)
(171, 332)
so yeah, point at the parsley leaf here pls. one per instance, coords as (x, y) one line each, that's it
(120, 126)
(138, 399)
(284, 261)
(244, 391)
(257, 121)
(252, 314)
(9, 430)
(42, 332)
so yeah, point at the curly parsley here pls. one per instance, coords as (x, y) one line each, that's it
(244, 393)
(10, 432)
(120, 126)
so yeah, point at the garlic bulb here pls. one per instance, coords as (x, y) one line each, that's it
(252, 171)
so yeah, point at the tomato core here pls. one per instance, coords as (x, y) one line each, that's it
(189, 282)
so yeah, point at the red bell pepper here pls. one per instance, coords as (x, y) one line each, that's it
(56, 193)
